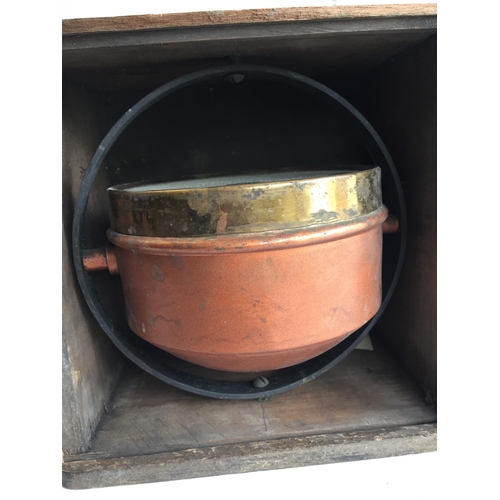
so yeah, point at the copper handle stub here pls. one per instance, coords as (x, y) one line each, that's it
(100, 259)
(390, 225)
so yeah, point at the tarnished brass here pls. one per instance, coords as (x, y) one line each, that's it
(245, 203)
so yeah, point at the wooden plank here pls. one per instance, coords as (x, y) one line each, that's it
(91, 364)
(74, 438)
(250, 457)
(367, 390)
(407, 87)
(102, 40)
(153, 61)
(250, 16)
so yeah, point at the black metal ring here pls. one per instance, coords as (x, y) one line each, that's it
(159, 363)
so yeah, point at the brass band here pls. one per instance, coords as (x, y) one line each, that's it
(244, 204)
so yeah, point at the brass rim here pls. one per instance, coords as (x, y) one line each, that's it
(233, 205)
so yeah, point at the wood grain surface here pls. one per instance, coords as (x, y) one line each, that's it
(91, 363)
(251, 16)
(250, 457)
(366, 407)
(413, 146)
(367, 390)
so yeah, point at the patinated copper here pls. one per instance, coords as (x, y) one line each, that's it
(99, 259)
(250, 294)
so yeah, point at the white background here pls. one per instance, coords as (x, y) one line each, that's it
(96, 8)
(466, 464)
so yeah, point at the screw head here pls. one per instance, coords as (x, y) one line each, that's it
(236, 78)
(260, 382)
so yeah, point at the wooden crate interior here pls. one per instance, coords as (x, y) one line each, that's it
(116, 417)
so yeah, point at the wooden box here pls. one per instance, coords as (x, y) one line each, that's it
(121, 425)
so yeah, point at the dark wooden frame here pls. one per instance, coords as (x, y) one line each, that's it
(99, 385)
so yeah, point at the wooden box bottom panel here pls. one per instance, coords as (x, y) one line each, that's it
(251, 457)
(365, 407)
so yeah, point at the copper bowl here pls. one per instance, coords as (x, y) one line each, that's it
(248, 273)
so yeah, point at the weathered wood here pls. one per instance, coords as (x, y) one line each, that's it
(74, 438)
(150, 65)
(91, 364)
(367, 390)
(250, 16)
(402, 106)
(250, 457)
(142, 48)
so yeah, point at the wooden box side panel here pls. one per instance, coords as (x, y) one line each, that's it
(404, 111)
(91, 364)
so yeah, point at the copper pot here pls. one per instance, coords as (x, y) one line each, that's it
(248, 273)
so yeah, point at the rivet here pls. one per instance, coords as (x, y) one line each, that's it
(260, 382)
(235, 78)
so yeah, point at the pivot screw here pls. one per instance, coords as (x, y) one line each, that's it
(236, 78)
(260, 382)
